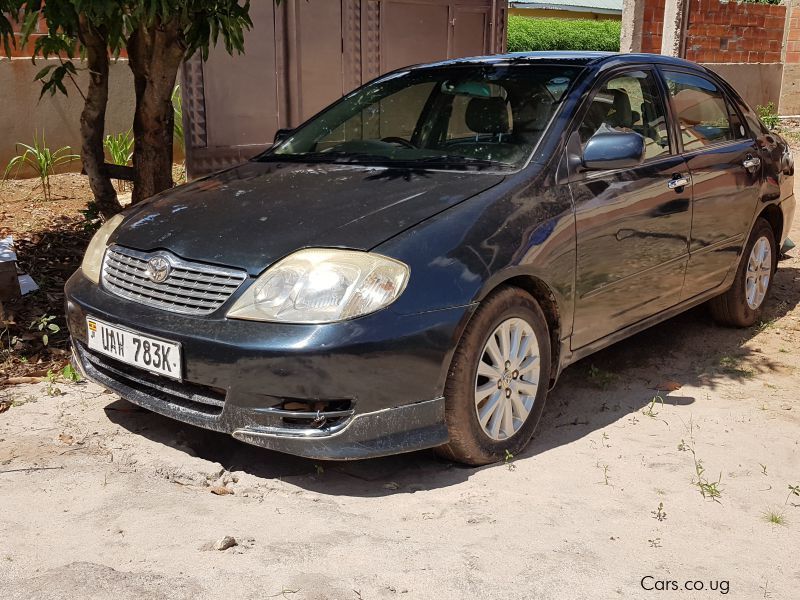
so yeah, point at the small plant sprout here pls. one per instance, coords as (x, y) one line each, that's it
(41, 160)
(763, 468)
(45, 325)
(319, 469)
(659, 513)
(69, 373)
(120, 151)
(732, 366)
(764, 325)
(52, 388)
(710, 490)
(119, 147)
(177, 107)
(768, 115)
(774, 517)
(649, 410)
(604, 439)
(794, 490)
(509, 460)
(606, 469)
(601, 378)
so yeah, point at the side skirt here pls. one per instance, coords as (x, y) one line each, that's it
(617, 336)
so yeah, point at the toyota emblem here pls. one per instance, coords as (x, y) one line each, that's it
(158, 269)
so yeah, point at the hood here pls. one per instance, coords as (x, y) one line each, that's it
(256, 213)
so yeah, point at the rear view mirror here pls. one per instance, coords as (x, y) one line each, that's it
(613, 150)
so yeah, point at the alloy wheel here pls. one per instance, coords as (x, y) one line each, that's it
(507, 378)
(759, 271)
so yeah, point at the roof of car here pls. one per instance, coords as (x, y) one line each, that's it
(580, 58)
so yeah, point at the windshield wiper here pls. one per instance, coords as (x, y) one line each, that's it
(445, 160)
(457, 160)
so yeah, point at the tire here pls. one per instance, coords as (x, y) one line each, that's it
(521, 319)
(738, 307)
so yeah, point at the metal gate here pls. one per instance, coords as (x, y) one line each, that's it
(304, 54)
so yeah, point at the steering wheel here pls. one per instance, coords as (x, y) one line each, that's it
(398, 140)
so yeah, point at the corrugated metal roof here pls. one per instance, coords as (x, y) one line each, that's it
(580, 5)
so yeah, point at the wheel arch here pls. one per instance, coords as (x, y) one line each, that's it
(540, 291)
(773, 215)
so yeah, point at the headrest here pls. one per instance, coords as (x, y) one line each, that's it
(533, 115)
(623, 117)
(487, 115)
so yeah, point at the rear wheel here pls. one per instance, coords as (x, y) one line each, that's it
(743, 303)
(498, 379)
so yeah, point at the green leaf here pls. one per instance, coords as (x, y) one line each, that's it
(44, 72)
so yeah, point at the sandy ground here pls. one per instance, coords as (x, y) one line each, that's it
(99, 499)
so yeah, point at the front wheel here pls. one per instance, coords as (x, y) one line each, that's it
(498, 379)
(743, 303)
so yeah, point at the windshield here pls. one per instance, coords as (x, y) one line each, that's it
(476, 116)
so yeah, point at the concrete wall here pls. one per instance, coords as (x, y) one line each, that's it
(790, 94)
(758, 83)
(58, 117)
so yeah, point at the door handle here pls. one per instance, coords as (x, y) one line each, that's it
(678, 181)
(751, 162)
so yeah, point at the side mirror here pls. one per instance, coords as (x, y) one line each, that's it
(282, 134)
(613, 150)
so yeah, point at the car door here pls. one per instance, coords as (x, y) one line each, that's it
(632, 224)
(724, 163)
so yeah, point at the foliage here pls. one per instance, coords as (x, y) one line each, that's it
(40, 159)
(120, 147)
(203, 23)
(44, 324)
(526, 34)
(157, 35)
(768, 115)
(120, 150)
(177, 107)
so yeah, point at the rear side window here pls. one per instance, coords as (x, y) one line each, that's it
(704, 116)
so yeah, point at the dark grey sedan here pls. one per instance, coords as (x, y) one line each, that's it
(414, 266)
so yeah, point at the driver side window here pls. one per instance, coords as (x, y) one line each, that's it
(629, 102)
(395, 115)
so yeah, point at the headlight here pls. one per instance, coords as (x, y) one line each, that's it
(319, 285)
(93, 259)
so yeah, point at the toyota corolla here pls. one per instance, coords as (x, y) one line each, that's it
(414, 266)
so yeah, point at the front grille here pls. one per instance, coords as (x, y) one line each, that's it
(190, 288)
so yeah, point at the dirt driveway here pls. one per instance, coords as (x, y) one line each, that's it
(615, 495)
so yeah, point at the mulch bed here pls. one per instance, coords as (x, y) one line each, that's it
(50, 238)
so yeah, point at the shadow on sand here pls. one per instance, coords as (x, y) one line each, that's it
(610, 385)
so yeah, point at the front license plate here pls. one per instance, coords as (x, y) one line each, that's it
(152, 354)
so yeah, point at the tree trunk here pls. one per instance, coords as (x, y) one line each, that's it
(93, 118)
(154, 54)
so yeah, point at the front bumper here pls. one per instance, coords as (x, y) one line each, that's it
(371, 387)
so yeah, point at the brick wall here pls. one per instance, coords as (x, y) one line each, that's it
(730, 32)
(793, 36)
(26, 52)
(18, 51)
(725, 32)
(653, 25)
